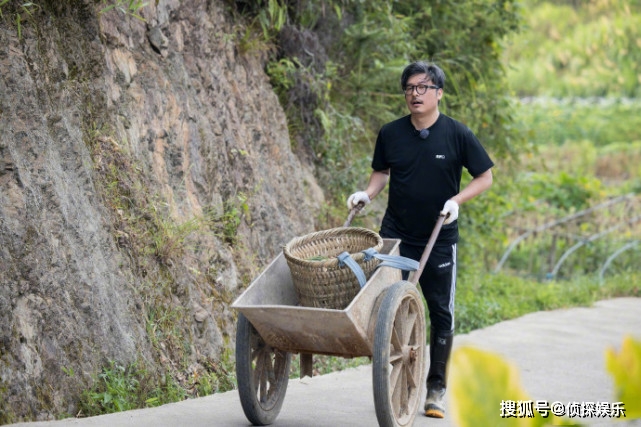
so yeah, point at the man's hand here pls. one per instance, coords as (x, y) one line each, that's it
(451, 208)
(356, 198)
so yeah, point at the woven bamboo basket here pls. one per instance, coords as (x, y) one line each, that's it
(319, 280)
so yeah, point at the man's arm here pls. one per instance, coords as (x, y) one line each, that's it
(475, 187)
(377, 181)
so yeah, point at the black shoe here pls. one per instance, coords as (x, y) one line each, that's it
(434, 403)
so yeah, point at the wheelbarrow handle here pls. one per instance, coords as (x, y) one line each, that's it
(352, 213)
(428, 249)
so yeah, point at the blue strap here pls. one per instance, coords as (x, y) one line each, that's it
(345, 259)
(394, 261)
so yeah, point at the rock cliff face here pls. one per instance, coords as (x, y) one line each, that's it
(145, 176)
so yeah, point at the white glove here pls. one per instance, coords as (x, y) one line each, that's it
(356, 198)
(451, 208)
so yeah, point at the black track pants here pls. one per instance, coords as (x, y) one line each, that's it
(438, 283)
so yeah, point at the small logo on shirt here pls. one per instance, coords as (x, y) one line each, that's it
(445, 264)
(440, 156)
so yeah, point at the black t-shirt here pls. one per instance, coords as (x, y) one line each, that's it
(424, 174)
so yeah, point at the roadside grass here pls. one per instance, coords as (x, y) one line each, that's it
(122, 388)
(484, 300)
(119, 387)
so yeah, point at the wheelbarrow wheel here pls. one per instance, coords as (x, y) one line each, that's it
(262, 373)
(398, 362)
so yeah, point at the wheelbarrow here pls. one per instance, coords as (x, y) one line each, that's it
(385, 321)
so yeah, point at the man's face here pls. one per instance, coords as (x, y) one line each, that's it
(425, 103)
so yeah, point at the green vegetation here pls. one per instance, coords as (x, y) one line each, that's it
(625, 367)
(492, 298)
(601, 121)
(577, 49)
(119, 388)
(582, 125)
(481, 380)
(20, 12)
(478, 381)
(127, 7)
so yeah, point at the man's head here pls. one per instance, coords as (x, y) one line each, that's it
(432, 71)
(422, 84)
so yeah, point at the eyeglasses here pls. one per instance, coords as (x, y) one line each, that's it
(420, 89)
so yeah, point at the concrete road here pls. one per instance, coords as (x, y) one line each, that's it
(560, 354)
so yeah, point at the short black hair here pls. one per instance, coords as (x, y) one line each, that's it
(433, 72)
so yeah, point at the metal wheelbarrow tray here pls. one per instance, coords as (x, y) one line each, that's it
(271, 305)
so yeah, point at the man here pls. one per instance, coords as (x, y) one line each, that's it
(423, 155)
